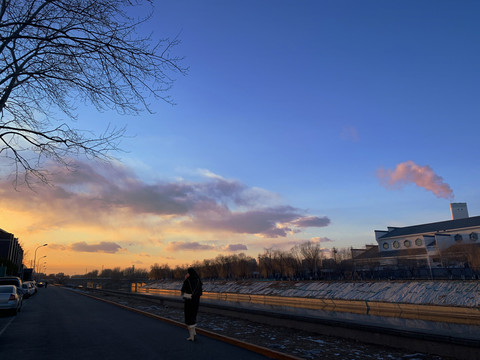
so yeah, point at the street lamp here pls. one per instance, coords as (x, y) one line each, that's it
(43, 268)
(39, 266)
(35, 258)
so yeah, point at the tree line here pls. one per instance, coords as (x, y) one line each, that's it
(307, 261)
(304, 261)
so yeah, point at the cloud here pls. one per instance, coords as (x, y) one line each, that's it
(104, 195)
(275, 232)
(188, 246)
(270, 221)
(312, 221)
(209, 174)
(423, 176)
(320, 239)
(349, 133)
(102, 247)
(252, 221)
(57, 247)
(236, 247)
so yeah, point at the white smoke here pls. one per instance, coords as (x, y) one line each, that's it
(423, 176)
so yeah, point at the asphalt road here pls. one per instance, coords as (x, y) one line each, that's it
(58, 324)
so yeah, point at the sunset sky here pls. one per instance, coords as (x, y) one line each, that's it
(298, 120)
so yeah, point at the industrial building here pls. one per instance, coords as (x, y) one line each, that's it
(446, 244)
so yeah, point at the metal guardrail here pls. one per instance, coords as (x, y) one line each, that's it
(449, 314)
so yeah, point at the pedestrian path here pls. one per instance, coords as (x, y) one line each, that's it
(61, 324)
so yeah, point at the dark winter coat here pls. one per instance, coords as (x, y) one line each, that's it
(192, 285)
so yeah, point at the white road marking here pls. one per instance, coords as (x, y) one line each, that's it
(6, 326)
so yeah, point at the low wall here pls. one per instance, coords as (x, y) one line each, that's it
(456, 302)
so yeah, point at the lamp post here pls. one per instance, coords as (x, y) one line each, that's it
(39, 266)
(35, 258)
(43, 268)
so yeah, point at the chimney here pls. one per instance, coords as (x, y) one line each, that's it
(459, 210)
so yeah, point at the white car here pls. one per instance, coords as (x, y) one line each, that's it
(28, 289)
(10, 299)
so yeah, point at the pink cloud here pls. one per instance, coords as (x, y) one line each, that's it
(102, 247)
(236, 247)
(423, 176)
(188, 246)
(312, 221)
(99, 194)
(320, 240)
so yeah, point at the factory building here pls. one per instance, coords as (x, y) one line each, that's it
(451, 243)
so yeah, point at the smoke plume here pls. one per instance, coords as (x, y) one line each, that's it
(423, 176)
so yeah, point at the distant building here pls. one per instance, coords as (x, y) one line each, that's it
(11, 252)
(439, 244)
(27, 274)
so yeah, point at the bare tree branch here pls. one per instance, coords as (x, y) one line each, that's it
(54, 53)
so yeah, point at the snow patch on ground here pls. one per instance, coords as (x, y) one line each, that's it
(447, 293)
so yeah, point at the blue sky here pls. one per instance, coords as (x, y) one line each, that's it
(301, 105)
(308, 99)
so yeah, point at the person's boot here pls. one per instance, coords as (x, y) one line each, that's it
(191, 331)
(193, 327)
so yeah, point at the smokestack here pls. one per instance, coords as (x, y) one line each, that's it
(459, 210)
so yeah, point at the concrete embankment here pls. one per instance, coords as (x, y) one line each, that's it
(446, 301)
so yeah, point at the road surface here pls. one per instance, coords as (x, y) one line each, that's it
(58, 324)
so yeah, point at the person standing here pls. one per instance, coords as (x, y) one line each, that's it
(191, 292)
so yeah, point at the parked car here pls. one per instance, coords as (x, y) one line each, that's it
(10, 299)
(28, 289)
(12, 280)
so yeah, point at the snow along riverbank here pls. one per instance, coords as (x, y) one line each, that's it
(446, 293)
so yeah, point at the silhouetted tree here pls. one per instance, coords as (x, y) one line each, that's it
(179, 272)
(209, 270)
(160, 272)
(266, 265)
(92, 274)
(133, 273)
(56, 54)
(312, 257)
(244, 266)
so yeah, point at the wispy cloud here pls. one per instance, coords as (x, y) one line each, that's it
(321, 240)
(102, 195)
(423, 176)
(103, 247)
(349, 133)
(236, 247)
(107, 209)
(312, 221)
(108, 247)
(188, 246)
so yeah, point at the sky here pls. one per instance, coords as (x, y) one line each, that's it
(298, 120)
